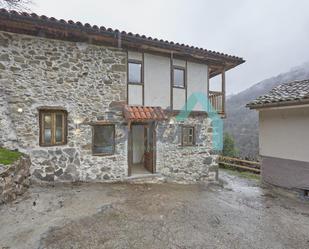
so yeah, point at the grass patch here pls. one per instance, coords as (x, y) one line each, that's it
(8, 157)
(244, 174)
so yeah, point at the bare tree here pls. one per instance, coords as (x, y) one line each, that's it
(20, 5)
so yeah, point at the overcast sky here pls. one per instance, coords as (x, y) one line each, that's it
(272, 36)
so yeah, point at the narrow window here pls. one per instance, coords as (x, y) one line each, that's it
(178, 77)
(103, 140)
(135, 72)
(188, 135)
(53, 127)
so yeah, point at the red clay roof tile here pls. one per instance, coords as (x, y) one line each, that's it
(143, 113)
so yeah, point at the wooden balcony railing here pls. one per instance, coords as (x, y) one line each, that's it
(217, 99)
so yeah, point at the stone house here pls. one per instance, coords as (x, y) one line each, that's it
(94, 104)
(284, 135)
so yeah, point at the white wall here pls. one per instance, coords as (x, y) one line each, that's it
(157, 80)
(284, 133)
(179, 98)
(133, 55)
(138, 143)
(197, 80)
(180, 63)
(135, 95)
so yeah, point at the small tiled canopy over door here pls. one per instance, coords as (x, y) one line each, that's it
(148, 116)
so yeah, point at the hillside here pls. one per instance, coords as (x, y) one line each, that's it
(241, 122)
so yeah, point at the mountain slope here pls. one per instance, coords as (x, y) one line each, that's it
(241, 122)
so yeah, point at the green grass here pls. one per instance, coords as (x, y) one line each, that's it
(243, 174)
(8, 157)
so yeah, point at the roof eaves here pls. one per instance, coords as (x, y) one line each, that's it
(278, 104)
(115, 33)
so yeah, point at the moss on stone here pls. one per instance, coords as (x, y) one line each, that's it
(8, 157)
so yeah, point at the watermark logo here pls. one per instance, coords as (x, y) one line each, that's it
(216, 121)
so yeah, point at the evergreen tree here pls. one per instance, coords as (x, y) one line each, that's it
(229, 148)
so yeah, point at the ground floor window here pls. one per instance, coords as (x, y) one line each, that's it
(103, 139)
(188, 135)
(53, 127)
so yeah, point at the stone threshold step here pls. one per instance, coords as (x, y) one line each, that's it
(141, 176)
(145, 178)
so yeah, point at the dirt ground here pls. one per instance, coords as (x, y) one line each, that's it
(240, 214)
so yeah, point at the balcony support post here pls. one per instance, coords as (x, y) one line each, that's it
(223, 90)
(208, 93)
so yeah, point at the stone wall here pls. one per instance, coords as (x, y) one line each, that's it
(14, 179)
(81, 78)
(8, 137)
(187, 163)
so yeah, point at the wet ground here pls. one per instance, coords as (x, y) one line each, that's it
(239, 215)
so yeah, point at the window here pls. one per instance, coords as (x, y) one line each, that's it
(53, 127)
(188, 135)
(103, 140)
(179, 77)
(135, 72)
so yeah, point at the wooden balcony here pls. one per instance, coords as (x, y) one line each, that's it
(217, 100)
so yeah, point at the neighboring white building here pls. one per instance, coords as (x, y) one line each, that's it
(284, 135)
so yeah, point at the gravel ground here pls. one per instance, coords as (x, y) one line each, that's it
(240, 214)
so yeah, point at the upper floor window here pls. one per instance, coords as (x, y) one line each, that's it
(135, 72)
(188, 136)
(103, 139)
(179, 77)
(53, 127)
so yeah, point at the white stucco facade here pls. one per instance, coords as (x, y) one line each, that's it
(284, 133)
(138, 143)
(157, 77)
(157, 73)
(197, 80)
(135, 96)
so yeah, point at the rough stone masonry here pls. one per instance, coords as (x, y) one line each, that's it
(88, 81)
(14, 179)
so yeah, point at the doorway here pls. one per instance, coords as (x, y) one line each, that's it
(141, 149)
